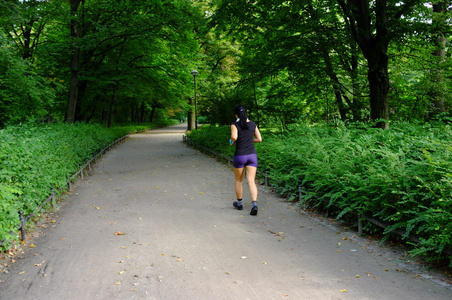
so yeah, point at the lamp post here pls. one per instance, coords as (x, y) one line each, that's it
(194, 73)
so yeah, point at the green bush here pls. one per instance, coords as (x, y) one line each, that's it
(401, 176)
(214, 138)
(36, 158)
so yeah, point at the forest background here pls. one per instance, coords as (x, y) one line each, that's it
(370, 79)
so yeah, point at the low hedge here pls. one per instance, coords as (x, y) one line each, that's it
(35, 158)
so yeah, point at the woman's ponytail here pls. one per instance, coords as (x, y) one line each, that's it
(240, 111)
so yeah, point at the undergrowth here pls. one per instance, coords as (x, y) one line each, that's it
(401, 176)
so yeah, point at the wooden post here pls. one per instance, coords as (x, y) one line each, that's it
(23, 226)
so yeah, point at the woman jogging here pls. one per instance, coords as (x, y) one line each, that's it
(244, 133)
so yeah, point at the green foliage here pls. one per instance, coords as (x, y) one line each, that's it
(214, 138)
(36, 158)
(132, 59)
(401, 176)
(24, 94)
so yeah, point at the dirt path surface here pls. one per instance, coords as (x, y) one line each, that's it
(155, 221)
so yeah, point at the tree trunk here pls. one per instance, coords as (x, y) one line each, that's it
(336, 86)
(151, 119)
(112, 106)
(72, 102)
(142, 113)
(438, 21)
(257, 106)
(132, 113)
(373, 42)
(191, 115)
(27, 39)
(379, 86)
(356, 103)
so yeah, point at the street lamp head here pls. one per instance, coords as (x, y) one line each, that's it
(194, 73)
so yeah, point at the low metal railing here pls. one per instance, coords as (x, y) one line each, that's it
(53, 195)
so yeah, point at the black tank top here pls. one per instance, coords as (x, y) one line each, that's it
(244, 144)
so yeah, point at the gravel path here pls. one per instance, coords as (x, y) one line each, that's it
(155, 221)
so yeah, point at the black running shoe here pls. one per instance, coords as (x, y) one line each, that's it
(253, 211)
(236, 205)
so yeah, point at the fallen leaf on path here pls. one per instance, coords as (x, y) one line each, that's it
(96, 207)
(227, 273)
(357, 276)
(119, 233)
(343, 291)
(32, 246)
(53, 221)
(121, 272)
(23, 272)
(180, 259)
(117, 283)
(339, 251)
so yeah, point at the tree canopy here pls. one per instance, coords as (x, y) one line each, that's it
(131, 61)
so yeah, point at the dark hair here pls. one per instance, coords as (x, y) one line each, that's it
(240, 111)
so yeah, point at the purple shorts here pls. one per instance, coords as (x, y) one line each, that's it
(245, 160)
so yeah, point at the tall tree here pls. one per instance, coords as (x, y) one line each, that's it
(369, 26)
(156, 38)
(373, 25)
(439, 24)
(75, 53)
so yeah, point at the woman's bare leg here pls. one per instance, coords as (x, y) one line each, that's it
(238, 182)
(251, 178)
